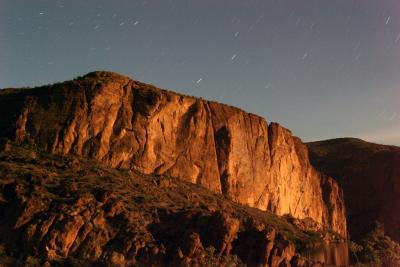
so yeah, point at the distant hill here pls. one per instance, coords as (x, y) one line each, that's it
(370, 177)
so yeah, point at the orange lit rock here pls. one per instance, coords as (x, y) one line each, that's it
(131, 125)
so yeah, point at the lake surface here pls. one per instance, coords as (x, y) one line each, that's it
(331, 254)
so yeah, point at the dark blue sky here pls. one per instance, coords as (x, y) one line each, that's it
(322, 68)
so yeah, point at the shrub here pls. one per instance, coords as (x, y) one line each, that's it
(212, 259)
(3, 251)
(377, 249)
(31, 261)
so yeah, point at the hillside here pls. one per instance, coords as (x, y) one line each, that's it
(70, 211)
(370, 177)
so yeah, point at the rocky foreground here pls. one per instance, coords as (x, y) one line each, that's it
(127, 124)
(68, 211)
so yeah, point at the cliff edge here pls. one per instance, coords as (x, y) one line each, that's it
(131, 125)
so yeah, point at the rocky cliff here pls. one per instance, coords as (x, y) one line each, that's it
(68, 211)
(131, 125)
(370, 177)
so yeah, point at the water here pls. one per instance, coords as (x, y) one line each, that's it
(330, 254)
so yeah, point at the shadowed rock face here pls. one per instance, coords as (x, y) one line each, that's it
(370, 177)
(132, 125)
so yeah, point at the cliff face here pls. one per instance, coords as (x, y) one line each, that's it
(128, 124)
(370, 177)
(69, 211)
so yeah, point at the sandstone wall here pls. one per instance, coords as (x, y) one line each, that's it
(128, 124)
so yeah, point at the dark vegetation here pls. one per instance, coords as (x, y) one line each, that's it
(376, 249)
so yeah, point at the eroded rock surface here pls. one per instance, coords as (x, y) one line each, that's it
(131, 125)
(63, 211)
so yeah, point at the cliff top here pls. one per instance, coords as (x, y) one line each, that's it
(108, 76)
(349, 144)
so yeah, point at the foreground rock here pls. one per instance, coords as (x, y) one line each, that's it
(370, 177)
(131, 125)
(65, 211)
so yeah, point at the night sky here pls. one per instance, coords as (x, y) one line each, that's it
(322, 68)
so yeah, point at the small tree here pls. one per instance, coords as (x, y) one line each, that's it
(355, 248)
(379, 249)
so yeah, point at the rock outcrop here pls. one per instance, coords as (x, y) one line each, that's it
(370, 177)
(130, 125)
(65, 211)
